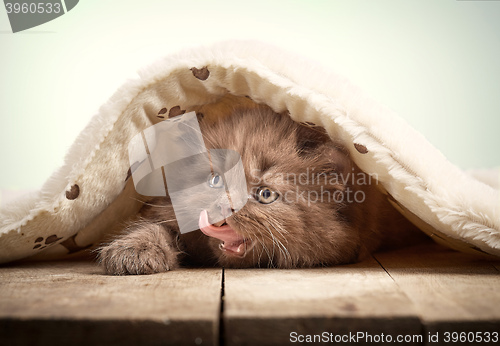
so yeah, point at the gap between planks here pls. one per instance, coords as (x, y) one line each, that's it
(452, 292)
(421, 291)
(413, 291)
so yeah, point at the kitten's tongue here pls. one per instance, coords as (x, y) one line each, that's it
(232, 241)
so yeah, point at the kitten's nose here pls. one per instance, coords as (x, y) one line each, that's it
(225, 210)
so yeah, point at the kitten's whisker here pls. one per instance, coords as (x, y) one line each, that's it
(264, 248)
(283, 237)
(166, 221)
(259, 252)
(256, 237)
(285, 254)
(268, 236)
(274, 240)
(147, 203)
(283, 250)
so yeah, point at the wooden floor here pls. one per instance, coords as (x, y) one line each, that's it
(421, 294)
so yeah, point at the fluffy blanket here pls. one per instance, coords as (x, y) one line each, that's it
(92, 193)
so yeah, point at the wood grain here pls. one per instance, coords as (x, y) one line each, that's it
(73, 302)
(421, 291)
(451, 291)
(263, 306)
(497, 266)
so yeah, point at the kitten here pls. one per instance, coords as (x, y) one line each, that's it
(308, 205)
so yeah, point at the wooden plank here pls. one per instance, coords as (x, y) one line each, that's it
(452, 291)
(264, 306)
(74, 303)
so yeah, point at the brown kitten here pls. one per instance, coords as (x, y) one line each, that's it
(308, 205)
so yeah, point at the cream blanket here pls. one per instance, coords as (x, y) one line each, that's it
(92, 192)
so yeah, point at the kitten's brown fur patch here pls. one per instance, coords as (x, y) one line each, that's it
(291, 232)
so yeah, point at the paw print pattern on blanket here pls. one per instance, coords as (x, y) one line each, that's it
(73, 192)
(202, 73)
(174, 111)
(361, 148)
(40, 245)
(162, 112)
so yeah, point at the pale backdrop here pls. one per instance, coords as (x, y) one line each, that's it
(435, 62)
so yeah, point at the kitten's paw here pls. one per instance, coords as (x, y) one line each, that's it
(138, 256)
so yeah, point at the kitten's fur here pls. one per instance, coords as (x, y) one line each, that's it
(286, 233)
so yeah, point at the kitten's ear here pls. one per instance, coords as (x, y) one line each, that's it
(307, 146)
(315, 143)
(333, 159)
(340, 161)
(309, 140)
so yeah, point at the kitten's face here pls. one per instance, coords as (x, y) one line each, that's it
(293, 216)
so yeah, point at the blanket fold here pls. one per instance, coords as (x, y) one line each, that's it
(92, 193)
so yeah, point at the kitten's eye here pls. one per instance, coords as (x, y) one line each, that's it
(215, 181)
(265, 195)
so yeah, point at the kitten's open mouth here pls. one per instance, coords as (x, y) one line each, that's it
(232, 243)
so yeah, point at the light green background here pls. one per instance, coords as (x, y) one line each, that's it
(435, 62)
